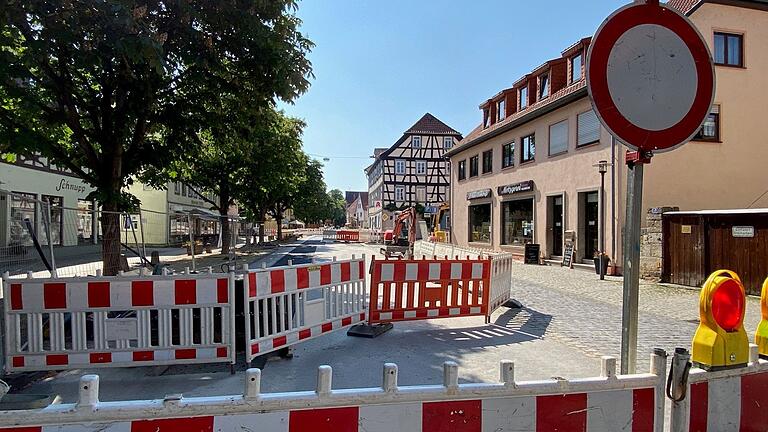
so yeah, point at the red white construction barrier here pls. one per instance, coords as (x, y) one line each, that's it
(68, 323)
(329, 235)
(403, 290)
(287, 305)
(348, 236)
(501, 281)
(607, 403)
(725, 400)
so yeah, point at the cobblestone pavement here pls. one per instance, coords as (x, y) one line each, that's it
(577, 309)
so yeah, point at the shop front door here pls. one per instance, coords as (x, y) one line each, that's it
(557, 226)
(591, 212)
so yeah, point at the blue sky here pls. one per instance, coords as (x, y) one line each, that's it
(380, 65)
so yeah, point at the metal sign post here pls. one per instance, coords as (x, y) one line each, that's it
(651, 81)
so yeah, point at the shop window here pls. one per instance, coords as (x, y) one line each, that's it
(710, 130)
(473, 166)
(517, 222)
(23, 208)
(729, 49)
(508, 155)
(56, 222)
(487, 161)
(558, 138)
(462, 169)
(587, 128)
(480, 223)
(528, 148)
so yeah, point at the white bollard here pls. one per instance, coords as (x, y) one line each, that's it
(324, 378)
(89, 392)
(507, 372)
(252, 383)
(608, 367)
(389, 380)
(451, 376)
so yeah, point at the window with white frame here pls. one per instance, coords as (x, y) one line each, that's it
(447, 142)
(421, 194)
(399, 167)
(400, 193)
(421, 167)
(416, 142)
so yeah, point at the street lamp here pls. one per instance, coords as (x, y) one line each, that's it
(602, 168)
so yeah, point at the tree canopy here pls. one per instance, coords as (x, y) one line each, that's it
(109, 89)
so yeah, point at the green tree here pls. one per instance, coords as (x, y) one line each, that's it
(111, 88)
(274, 169)
(312, 205)
(338, 207)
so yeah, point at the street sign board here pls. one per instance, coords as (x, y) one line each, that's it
(650, 76)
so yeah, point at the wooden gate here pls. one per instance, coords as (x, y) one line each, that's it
(683, 250)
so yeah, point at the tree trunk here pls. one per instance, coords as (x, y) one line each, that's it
(225, 226)
(279, 218)
(262, 216)
(110, 245)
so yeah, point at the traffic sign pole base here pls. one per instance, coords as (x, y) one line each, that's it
(513, 304)
(368, 330)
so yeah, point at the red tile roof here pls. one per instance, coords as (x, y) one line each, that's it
(683, 6)
(429, 124)
(477, 134)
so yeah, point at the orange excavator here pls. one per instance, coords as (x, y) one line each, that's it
(398, 242)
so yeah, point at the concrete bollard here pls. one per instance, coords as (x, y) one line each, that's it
(88, 392)
(608, 367)
(451, 376)
(389, 379)
(252, 383)
(507, 372)
(324, 378)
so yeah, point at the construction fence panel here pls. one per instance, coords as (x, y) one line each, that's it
(69, 323)
(607, 403)
(501, 281)
(287, 305)
(724, 400)
(348, 236)
(329, 235)
(403, 290)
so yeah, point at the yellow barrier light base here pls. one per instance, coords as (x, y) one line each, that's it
(720, 341)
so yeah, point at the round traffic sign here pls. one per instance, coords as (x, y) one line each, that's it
(650, 76)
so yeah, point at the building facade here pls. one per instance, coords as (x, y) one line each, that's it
(527, 173)
(413, 171)
(357, 209)
(32, 180)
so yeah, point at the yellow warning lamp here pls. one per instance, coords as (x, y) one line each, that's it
(720, 341)
(761, 335)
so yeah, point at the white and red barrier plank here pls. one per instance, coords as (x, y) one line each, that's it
(133, 321)
(403, 290)
(607, 403)
(295, 303)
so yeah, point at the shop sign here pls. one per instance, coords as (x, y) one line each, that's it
(482, 193)
(743, 231)
(430, 209)
(524, 186)
(65, 185)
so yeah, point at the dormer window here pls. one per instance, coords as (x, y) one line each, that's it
(543, 86)
(575, 68)
(523, 97)
(416, 142)
(500, 113)
(486, 117)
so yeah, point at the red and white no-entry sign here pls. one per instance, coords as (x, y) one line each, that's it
(650, 76)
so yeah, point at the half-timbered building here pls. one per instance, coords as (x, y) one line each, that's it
(411, 172)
